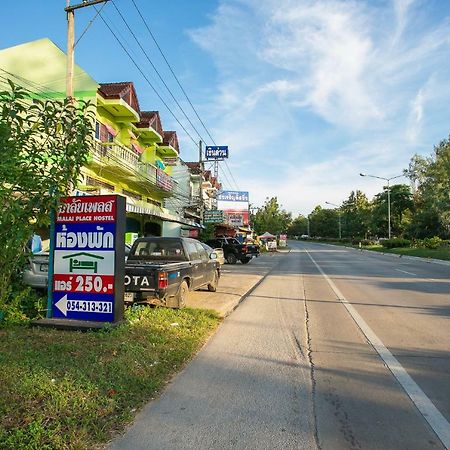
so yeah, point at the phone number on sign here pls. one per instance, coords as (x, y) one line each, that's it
(87, 306)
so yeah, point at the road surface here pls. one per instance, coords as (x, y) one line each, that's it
(333, 349)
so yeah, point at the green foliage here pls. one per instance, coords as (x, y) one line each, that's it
(298, 226)
(396, 243)
(431, 175)
(271, 218)
(324, 223)
(432, 242)
(43, 145)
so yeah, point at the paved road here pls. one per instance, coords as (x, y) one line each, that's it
(334, 349)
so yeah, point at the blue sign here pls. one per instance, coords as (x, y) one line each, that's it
(87, 278)
(233, 196)
(216, 151)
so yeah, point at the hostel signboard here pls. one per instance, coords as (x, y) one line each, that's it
(88, 259)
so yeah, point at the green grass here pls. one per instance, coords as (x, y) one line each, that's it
(73, 390)
(440, 253)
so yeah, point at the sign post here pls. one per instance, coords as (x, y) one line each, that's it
(87, 284)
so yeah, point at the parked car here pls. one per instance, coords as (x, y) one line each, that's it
(218, 251)
(162, 271)
(35, 274)
(233, 250)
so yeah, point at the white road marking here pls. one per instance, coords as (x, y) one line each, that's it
(408, 273)
(431, 414)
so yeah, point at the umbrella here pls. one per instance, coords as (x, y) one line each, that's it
(267, 235)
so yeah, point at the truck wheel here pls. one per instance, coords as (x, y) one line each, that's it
(212, 287)
(182, 295)
(245, 260)
(231, 258)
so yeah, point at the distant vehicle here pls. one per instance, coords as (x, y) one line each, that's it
(218, 251)
(233, 250)
(304, 236)
(162, 271)
(35, 274)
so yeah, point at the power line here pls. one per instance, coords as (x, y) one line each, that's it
(156, 70)
(171, 70)
(147, 80)
(179, 84)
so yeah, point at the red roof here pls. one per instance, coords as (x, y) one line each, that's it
(124, 90)
(151, 119)
(171, 138)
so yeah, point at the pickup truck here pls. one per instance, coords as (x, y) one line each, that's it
(162, 271)
(233, 250)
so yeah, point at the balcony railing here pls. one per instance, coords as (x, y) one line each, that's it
(126, 160)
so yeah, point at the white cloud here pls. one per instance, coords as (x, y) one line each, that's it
(312, 92)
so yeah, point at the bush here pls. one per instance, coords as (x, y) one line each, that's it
(433, 242)
(395, 243)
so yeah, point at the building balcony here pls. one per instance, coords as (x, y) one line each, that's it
(125, 165)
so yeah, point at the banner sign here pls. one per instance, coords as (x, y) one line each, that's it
(216, 151)
(235, 220)
(163, 180)
(213, 216)
(233, 196)
(88, 258)
(170, 161)
(235, 205)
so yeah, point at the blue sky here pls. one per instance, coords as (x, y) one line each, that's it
(306, 93)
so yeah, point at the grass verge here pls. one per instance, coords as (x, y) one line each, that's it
(439, 253)
(73, 390)
(442, 253)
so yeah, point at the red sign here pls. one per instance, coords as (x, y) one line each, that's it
(87, 209)
(96, 284)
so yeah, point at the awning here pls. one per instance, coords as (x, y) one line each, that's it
(110, 129)
(160, 164)
(137, 148)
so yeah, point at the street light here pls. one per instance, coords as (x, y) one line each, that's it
(389, 195)
(339, 217)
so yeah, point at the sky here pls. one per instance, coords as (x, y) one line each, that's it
(307, 94)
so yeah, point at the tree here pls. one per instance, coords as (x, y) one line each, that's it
(298, 226)
(271, 218)
(355, 215)
(43, 144)
(431, 176)
(401, 209)
(324, 222)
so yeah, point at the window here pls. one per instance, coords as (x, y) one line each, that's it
(97, 130)
(192, 250)
(201, 252)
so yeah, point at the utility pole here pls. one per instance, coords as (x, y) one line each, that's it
(70, 10)
(200, 163)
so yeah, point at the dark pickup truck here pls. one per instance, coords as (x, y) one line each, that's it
(162, 271)
(233, 250)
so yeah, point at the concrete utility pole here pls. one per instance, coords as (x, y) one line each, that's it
(200, 163)
(70, 10)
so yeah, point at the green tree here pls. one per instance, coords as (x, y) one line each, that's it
(298, 226)
(431, 176)
(355, 215)
(270, 217)
(324, 222)
(43, 145)
(401, 207)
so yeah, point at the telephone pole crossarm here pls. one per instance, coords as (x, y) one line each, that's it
(84, 4)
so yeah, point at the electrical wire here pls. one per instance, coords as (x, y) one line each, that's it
(89, 25)
(146, 79)
(156, 70)
(179, 84)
